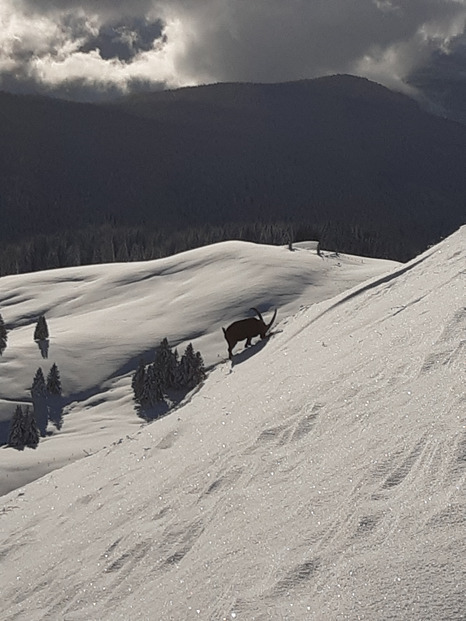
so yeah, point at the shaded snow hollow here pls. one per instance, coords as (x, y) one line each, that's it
(320, 478)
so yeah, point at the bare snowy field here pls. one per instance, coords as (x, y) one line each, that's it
(319, 477)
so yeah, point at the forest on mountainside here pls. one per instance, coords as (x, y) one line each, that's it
(341, 159)
(112, 244)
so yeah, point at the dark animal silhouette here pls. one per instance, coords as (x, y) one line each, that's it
(246, 329)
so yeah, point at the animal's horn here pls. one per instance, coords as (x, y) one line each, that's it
(272, 320)
(258, 314)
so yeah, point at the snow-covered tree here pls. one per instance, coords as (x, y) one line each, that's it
(17, 431)
(41, 332)
(137, 381)
(53, 386)
(3, 336)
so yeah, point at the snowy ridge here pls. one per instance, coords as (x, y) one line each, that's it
(320, 478)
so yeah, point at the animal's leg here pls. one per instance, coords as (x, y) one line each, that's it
(248, 341)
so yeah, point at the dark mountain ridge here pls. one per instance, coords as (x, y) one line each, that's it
(341, 154)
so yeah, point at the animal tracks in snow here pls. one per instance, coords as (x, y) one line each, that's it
(177, 543)
(300, 575)
(450, 349)
(294, 429)
(401, 471)
(225, 481)
(130, 556)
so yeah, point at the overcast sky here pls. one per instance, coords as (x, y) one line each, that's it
(90, 48)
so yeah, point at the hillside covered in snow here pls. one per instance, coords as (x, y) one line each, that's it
(320, 476)
(103, 319)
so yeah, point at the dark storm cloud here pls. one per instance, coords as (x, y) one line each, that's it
(115, 45)
(124, 39)
(272, 40)
(450, 64)
(106, 8)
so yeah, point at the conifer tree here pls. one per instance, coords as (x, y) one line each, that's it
(3, 336)
(152, 392)
(53, 386)
(17, 431)
(23, 429)
(39, 401)
(137, 381)
(173, 370)
(50, 408)
(41, 332)
(166, 363)
(186, 364)
(199, 374)
(38, 389)
(192, 370)
(31, 436)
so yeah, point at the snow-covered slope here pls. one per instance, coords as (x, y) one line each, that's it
(321, 478)
(103, 318)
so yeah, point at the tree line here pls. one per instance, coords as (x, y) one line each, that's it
(309, 151)
(111, 243)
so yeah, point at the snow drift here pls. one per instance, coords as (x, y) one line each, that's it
(321, 478)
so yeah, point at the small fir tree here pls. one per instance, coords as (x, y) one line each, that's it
(166, 363)
(41, 332)
(152, 392)
(31, 436)
(199, 374)
(38, 389)
(173, 370)
(53, 386)
(3, 336)
(17, 431)
(50, 408)
(186, 364)
(39, 401)
(137, 381)
(192, 370)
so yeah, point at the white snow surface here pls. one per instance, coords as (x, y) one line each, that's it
(319, 476)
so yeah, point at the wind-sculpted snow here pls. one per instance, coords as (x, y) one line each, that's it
(322, 478)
